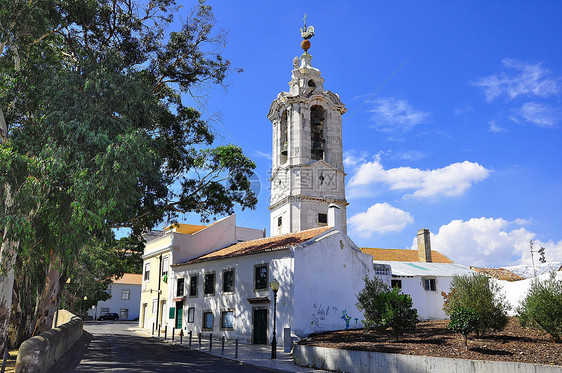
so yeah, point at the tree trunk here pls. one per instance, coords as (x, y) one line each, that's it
(47, 302)
(22, 311)
(7, 257)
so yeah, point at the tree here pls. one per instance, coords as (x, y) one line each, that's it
(464, 321)
(542, 307)
(385, 308)
(478, 293)
(95, 134)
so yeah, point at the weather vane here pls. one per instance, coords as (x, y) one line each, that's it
(306, 33)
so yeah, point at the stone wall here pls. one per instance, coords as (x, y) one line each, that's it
(37, 354)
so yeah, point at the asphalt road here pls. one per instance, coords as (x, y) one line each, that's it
(107, 346)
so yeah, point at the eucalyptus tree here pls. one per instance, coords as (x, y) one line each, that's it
(96, 134)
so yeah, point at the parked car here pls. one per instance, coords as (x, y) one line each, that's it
(109, 316)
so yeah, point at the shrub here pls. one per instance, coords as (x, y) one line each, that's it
(479, 294)
(385, 308)
(464, 321)
(542, 307)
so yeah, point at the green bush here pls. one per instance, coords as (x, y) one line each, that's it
(464, 321)
(386, 308)
(542, 307)
(480, 294)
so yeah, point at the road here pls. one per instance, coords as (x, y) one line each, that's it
(109, 346)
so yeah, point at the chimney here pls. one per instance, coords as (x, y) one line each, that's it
(424, 246)
(334, 216)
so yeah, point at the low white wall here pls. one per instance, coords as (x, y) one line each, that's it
(371, 362)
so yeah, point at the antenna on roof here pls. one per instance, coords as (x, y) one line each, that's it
(532, 258)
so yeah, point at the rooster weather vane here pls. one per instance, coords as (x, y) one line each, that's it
(307, 32)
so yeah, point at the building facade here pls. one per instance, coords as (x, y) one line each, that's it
(125, 297)
(174, 245)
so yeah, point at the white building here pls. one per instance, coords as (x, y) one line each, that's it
(125, 298)
(227, 292)
(423, 274)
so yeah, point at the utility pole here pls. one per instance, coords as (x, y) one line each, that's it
(532, 258)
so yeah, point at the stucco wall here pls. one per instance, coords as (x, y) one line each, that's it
(328, 276)
(116, 303)
(428, 303)
(280, 268)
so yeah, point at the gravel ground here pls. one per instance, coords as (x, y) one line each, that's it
(432, 338)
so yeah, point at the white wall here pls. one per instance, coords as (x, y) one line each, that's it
(115, 303)
(328, 276)
(428, 303)
(280, 268)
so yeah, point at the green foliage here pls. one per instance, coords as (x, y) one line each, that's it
(464, 321)
(98, 135)
(385, 308)
(479, 294)
(542, 307)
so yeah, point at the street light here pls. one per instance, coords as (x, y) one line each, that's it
(275, 287)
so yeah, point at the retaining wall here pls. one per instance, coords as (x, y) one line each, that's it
(38, 353)
(370, 362)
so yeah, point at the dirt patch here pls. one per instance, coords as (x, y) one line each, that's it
(432, 338)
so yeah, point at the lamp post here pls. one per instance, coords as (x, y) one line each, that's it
(274, 287)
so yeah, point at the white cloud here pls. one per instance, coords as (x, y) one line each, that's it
(540, 114)
(495, 128)
(263, 154)
(530, 80)
(379, 218)
(490, 242)
(391, 114)
(452, 180)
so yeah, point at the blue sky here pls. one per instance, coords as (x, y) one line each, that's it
(454, 118)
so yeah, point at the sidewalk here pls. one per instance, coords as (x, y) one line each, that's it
(254, 355)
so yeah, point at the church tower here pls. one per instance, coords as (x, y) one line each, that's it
(307, 175)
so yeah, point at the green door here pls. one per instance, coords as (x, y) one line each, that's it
(179, 314)
(260, 326)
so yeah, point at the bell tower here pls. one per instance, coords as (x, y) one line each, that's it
(307, 174)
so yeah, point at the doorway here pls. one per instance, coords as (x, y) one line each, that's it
(260, 326)
(179, 315)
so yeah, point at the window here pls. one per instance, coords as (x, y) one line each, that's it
(279, 221)
(124, 314)
(154, 305)
(381, 270)
(396, 284)
(191, 315)
(261, 277)
(179, 287)
(208, 320)
(125, 294)
(147, 272)
(228, 281)
(193, 286)
(227, 319)
(429, 284)
(322, 218)
(104, 311)
(209, 284)
(165, 262)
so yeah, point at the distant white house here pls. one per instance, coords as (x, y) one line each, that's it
(422, 273)
(125, 298)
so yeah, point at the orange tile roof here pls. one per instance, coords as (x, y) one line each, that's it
(260, 245)
(401, 255)
(498, 273)
(129, 278)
